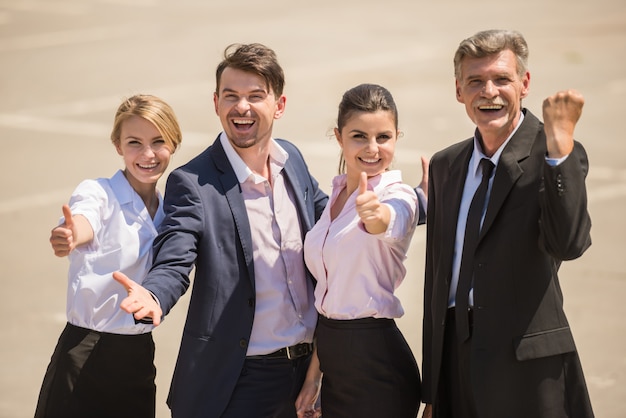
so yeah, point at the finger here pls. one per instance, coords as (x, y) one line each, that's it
(424, 183)
(143, 313)
(67, 214)
(60, 240)
(147, 313)
(123, 279)
(363, 183)
(425, 163)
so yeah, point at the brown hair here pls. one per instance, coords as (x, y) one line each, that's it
(253, 58)
(368, 98)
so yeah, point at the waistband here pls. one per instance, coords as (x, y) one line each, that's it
(357, 323)
(74, 329)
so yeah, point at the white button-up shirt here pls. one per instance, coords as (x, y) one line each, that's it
(123, 234)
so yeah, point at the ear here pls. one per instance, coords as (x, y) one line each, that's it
(280, 107)
(118, 148)
(525, 85)
(459, 98)
(338, 137)
(215, 100)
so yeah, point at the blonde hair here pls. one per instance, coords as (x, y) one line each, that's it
(152, 109)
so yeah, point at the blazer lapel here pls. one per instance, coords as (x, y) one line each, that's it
(301, 193)
(509, 169)
(451, 201)
(232, 192)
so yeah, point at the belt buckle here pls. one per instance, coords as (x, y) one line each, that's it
(297, 351)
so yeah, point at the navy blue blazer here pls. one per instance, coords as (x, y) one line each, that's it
(207, 228)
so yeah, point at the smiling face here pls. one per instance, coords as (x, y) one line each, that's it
(247, 107)
(368, 142)
(146, 154)
(492, 91)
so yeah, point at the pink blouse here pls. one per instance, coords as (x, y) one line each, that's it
(358, 272)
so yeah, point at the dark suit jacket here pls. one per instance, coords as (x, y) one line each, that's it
(523, 359)
(207, 227)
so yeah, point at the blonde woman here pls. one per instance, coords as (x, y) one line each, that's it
(103, 364)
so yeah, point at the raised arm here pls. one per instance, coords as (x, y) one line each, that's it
(561, 112)
(565, 222)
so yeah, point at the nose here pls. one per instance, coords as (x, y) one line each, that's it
(489, 89)
(372, 146)
(242, 105)
(149, 151)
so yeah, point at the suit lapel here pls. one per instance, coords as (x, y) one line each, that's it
(451, 201)
(300, 192)
(509, 169)
(232, 191)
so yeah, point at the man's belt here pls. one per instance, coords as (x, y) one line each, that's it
(291, 353)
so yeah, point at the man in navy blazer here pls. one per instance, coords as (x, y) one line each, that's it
(238, 213)
(512, 353)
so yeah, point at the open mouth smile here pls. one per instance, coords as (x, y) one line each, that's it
(370, 160)
(491, 108)
(148, 166)
(243, 124)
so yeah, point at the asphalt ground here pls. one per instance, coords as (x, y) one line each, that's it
(66, 64)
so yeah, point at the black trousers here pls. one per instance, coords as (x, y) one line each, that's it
(268, 388)
(369, 369)
(454, 395)
(95, 374)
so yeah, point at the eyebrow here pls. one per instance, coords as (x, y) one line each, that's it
(138, 138)
(229, 90)
(358, 131)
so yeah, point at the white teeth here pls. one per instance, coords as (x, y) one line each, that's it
(243, 121)
(490, 107)
(371, 161)
(149, 166)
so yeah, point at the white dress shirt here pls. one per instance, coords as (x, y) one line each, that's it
(123, 234)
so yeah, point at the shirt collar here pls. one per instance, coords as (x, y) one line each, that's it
(376, 183)
(278, 157)
(478, 153)
(124, 192)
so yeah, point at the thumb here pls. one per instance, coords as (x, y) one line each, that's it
(363, 183)
(67, 213)
(123, 279)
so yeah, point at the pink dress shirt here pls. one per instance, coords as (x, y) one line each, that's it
(284, 313)
(358, 272)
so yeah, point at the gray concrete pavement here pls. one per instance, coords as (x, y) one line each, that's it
(66, 64)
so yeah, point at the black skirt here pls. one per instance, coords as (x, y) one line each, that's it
(96, 374)
(369, 369)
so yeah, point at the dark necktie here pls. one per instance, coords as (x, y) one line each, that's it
(466, 271)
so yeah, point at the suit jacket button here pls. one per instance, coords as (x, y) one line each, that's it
(251, 302)
(243, 343)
